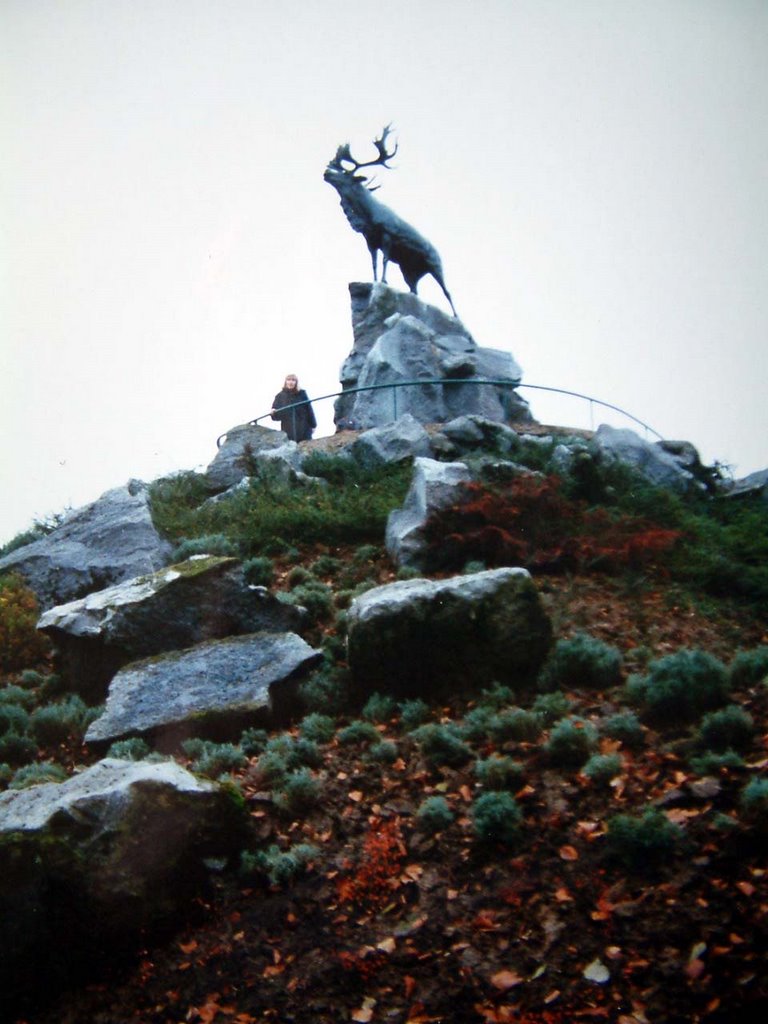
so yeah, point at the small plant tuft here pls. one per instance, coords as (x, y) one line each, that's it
(379, 708)
(279, 866)
(571, 742)
(582, 662)
(626, 728)
(318, 728)
(730, 728)
(601, 768)
(642, 842)
(434, 815)
(37, 774)
(259, 571)
(497, 818)
(413, 713)
(210, 544)
(132, 749)
(551, 706)
(441, 744)
(680, 687)
(749, 667)
(499, 773)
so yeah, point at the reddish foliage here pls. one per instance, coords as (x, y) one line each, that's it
(378, 873)
(21, 646)
(529, 522)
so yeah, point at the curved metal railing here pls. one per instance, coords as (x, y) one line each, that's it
(446, 381)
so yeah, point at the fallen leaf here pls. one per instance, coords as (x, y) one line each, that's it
(387, 945)
(563, 896)
(569, 853)
(187, 947)
(694, 969)
(746, 887)
(355, 795)
(363, 1015)
(413, 871)
(504, 980)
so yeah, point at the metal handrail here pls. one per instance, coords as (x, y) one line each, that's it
(444, 381)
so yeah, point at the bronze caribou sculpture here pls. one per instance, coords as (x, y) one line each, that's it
(381, 227)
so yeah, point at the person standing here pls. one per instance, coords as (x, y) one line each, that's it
(298, 422)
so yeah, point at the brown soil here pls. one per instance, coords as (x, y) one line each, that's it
(390, 924)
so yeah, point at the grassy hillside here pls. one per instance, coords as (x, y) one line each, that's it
(589, 848)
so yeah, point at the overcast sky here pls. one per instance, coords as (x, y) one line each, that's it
(593, 173)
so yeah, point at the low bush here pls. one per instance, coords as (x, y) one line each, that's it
(379, 708)
(209, 544)
(358, 732)
(500, 773)
(754, 804)
(413, 713)
(318, 728)
(279, 866)
(496, 697)
(642, 842)
(36, 774)
(624, 726)
(297, 752)
(133, 749)
(571, 742)
(313, 595)
(601, 768)
(730, 728)
(328, 690)
(551, 706)
(259, 571)
(441, 744)
(581, 662)
(327, 565)
(516, 724)
(497, 818)
(477, 724)
(749, 667)
(253, 741)
(434, 815)
(16, 749)
(21, 645)
(710, 763)
(13, 718)
(19, 695)
(217, 759)
(383, 752)
(53, 724)
(298, 792)
(680, 687)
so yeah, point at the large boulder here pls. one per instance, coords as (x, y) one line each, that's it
(653, 461)
(238, 451)
(420, 636)
(204, 598)
(215, 689)
(89, 864)
(111, 540)
(398, 441)
(434, 485)
(398, 339)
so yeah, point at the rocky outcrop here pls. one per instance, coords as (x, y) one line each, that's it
(434, 485)
(86, 865)
(204, 598)
(215, 689)
(400, 441)
(423, 636)
(399, 338)
(111, 540)
(657, 463)
(238, 451)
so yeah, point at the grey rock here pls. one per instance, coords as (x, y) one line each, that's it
(111, 540)
(204, 598)
(215, 688)
(658, 466)
(398, 339)
(420, 636)
(89, 864)
(236, 458)
(471, 432)
(397, 441)
(754, 483)
(434, 485)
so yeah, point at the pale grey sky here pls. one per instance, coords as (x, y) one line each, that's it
(593, 173)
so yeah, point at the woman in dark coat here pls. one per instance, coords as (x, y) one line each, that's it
(297, 423)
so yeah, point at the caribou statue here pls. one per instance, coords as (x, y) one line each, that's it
(381, 227)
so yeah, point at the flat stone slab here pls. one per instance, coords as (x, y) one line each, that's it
(234, 679)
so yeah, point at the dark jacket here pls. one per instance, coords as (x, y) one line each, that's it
(297, 423)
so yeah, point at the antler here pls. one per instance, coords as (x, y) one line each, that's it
(343, 154)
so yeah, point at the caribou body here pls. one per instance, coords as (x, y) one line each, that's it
(382, 229)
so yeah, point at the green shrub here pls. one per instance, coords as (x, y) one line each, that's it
(272, 767)
(31, 678)
(383, 752)
(6, 774)
(133, 749)
(626, 727)
(53, 724)
(496, 697)
(500, 773)
(24, 698)
(680, 687)
(516, 724)
(497, 818)
(379, 708)
(36, 774)
(710, 763)
(644, 841)
(318, 728)
(413, 713)
(730, 728)
(472, 567)
(298, 575)
(313, 595)
(358, 732)
(13, 718)
(366, 553)
(210, 544)
(16, 749)
(327, 565)
(571, 742)
(298, 752)
(434, 815)
(749, 667)
(259, 571)
(218, 758)
(253, 741)
(582, 662)
(478, 723)
(754, 804)
(336, 469)
(327, 690)
(442, 745)
(551, 706)
(279, 866)
(601, 768)
(298, 792)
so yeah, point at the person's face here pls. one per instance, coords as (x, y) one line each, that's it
(291, 383)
